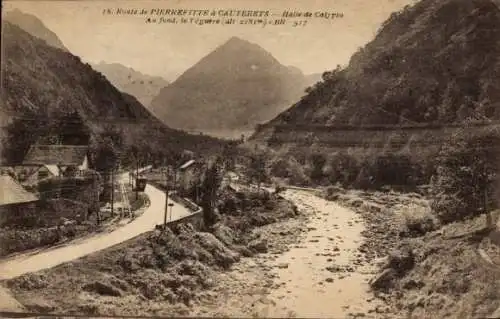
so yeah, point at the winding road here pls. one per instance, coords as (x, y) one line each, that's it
(25, 263)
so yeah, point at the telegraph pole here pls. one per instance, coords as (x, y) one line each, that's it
(136, 177)
(166, 200)
(174, 190)
(112, 189)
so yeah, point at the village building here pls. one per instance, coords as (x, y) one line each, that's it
(46, 161)
(15, 201)
(188, 173)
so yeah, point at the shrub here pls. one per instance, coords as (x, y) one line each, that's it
(318, 162)
(465, 182)
(343, 168)
(332, 192)
(418, 220)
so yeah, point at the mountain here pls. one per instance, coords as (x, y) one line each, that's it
(41, 83)
(314, 78)
(235, 87)
(144, 87)
(34, 26)
(436, 62)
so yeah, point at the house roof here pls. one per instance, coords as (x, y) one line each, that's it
(13, 193)
(55, 155)
(187, 164)
(53, 169)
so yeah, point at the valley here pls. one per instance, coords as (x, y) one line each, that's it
(270, 178)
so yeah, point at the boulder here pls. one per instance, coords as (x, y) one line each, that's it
(40, 305)
(401, 260)
(258, 245)
(103, 289)
(224, 234)
(223, 256)
(384, 281)
(243, 250)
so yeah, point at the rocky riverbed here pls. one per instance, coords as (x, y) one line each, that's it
(313, 268)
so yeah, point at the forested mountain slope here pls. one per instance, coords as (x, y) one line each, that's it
(433, 62)
(40, 83)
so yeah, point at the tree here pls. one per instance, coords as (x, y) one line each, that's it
(257, 168)
(115, 134)
(318, 162)
(106, 156)
(106, 161)
(344, 169)
(21, 133)
(71, 129)
(212, 182)
(229, 153)
(466, 176)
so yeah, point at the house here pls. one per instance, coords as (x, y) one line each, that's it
(30, 175)
(187, 173)
(44, 161)
(15, 201)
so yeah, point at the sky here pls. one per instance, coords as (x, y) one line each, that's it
(167, 49)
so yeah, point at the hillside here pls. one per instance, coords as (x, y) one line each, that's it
(34, 26)
(41, 82)
(435, 62)
(144, 87)
(236, 86)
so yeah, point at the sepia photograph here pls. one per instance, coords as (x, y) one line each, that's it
(250, 159)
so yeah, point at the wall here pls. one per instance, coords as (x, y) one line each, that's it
(83, 190)
(15, 215)
(195, 219)
(42, 213)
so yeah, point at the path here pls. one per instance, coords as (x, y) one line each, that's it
(26, 263)
(307, 288)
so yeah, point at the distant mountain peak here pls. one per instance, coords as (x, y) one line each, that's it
(143, 86)
(235, 39)
(238, 44)
(235, 87)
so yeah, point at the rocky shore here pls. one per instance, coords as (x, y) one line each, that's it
(426, 270)
(311, 260)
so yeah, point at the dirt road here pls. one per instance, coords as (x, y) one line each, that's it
(324, 275)
(25, 263)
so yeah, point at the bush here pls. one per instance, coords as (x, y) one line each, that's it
(418, 220)
(465, 183)
(343, 169)
(389, 170)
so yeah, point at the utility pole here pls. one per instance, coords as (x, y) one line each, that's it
(166, 199)
(136, 177)
(112, 189)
